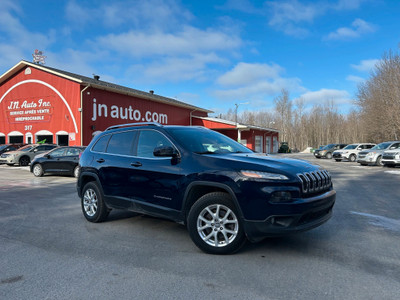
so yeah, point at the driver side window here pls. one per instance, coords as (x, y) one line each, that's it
(148, 141)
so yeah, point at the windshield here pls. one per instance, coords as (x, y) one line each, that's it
(381, 146)
(328, 146)
(26, 148)
(205, 141)
(352, 146)
(3, 147)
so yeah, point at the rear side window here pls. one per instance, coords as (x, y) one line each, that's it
(72, 151)
(121, 143)
(101, 144)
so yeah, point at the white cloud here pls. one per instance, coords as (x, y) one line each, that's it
(358, 28)
(366, 65)
(286, 15)
(356, 79)
(255, 82)
(188, 40)
(154, 13)
(244, 73)
(174, 69)
(324, 95)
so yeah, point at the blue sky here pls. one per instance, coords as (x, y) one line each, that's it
(211, 54)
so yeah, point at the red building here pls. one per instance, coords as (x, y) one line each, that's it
(41, 103)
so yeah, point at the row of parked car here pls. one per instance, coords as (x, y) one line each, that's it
(43, 158)
(383, 154)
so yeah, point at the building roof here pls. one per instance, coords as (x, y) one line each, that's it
(237, 125)
(99, 84)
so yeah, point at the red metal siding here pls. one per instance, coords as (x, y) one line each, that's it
(102, 109)
(35, 100)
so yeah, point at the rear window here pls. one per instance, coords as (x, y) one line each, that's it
(101, 144)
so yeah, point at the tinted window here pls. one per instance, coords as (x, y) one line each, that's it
(72, 151)
(121, 143)
(148, 141)
(57, 152)
(101, 144)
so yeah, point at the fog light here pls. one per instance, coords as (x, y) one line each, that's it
(281, 196)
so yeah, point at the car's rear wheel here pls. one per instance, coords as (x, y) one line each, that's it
(38, 170)
(214, 225)
(93, 206)
(352, 158)
(24, 161)
(76, 171)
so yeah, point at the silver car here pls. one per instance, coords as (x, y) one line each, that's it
(373, 156)
(23, 156)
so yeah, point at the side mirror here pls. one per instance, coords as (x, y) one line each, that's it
(165, 151)
(47, 155)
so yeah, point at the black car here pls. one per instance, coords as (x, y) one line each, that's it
(222, 191)
(61, 160)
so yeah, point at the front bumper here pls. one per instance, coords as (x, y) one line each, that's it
(304, 215)
(367, 160)
(7, 160)
(391, 162)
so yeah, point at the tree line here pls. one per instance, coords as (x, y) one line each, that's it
(374, 116)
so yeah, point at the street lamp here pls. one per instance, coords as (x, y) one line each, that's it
(236, 110)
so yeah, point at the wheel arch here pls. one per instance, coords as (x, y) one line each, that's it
(86, 177)
(197, 189)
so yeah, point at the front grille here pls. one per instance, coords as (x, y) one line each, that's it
(362, 154)
(337, 155)
(315, 182)
(388, 156)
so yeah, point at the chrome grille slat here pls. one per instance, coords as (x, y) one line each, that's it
(316, 181)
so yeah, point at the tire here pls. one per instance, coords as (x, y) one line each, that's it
(329, 155)
(24, 161)
(352, 158)
(379, 161)
(222, 234)
(76, 171)
(92, 203)
(38, 170)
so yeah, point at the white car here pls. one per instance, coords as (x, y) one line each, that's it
(374, 156)
(391, 158)
(350, 151)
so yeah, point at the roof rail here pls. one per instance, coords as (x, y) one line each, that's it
(134, 124)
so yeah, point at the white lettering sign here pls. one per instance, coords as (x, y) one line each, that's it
(127, 113)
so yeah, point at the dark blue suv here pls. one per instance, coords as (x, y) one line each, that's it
(223, 192)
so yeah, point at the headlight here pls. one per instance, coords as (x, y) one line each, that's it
(344, 152)
(371, 153)
(263, 175)
(323, 151)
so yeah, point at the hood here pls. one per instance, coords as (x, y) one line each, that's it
(373, 150)
(259, 162)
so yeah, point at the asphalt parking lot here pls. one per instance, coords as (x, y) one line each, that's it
(49, 251)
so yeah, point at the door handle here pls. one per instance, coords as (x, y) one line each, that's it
(100, 160)
(136, 164)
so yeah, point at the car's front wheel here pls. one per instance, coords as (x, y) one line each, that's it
(214, 225)
(352, 158)
(93, 206)
(38, 170)
(329, 155)
(379, 161)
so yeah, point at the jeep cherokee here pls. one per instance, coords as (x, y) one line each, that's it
(223, 192)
